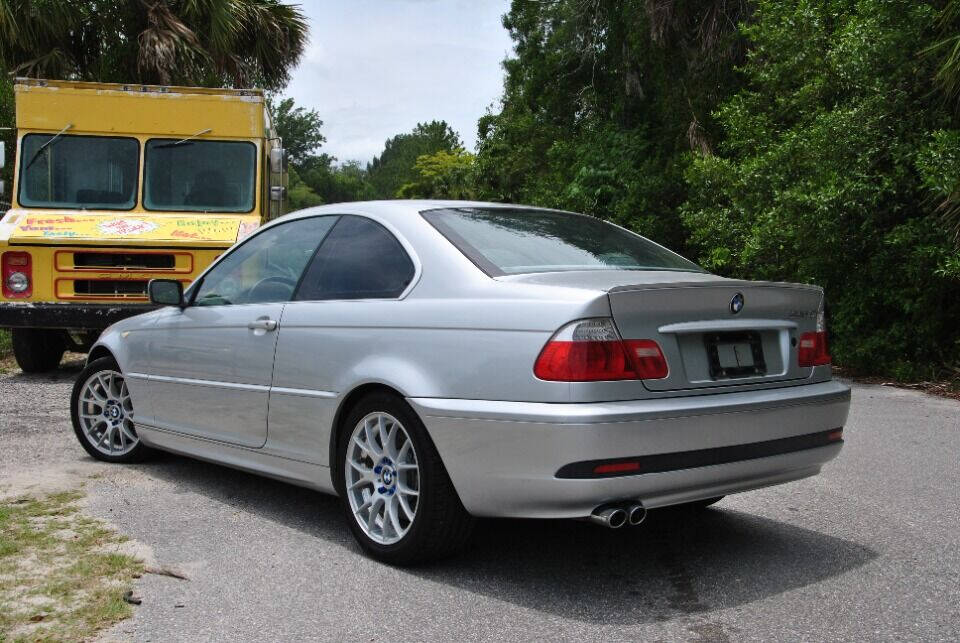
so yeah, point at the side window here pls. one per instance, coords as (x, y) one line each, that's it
(359, 259)
(267, 267)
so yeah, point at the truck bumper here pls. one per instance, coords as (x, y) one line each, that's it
(525, 460)
(66, 316)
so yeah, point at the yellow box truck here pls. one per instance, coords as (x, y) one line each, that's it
(115, 185)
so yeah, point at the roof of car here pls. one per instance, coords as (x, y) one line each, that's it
(398, 207)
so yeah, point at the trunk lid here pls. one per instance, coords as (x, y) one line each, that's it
(719, 332)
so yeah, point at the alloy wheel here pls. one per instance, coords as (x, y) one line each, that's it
(105, 412)
(382, 478)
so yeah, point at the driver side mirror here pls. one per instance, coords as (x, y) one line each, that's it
(278, 160)
(165, 292)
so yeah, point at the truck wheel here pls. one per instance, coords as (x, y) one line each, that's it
(37, 350)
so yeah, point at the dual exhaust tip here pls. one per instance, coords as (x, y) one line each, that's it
(616, 516)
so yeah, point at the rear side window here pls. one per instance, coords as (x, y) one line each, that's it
(359, 259)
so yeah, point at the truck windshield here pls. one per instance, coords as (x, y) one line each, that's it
(199, 176)
(74, 172)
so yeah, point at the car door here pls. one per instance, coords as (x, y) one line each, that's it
(211, 364)
(338, 319)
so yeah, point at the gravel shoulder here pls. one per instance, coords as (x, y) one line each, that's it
(869, 549)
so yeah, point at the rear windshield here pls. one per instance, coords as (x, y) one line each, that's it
(509, 241)
(200, 176)
(68, 171)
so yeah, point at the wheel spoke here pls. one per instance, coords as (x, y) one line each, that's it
(366, 505)
(362, 482)
(382, 430)
(390, 446)
(402, 488)
(371, 441)
(124, 431)
(374, 510)
(391, 510)
(405, 505)
(366, 471)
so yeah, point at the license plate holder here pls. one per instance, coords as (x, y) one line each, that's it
(737, 354)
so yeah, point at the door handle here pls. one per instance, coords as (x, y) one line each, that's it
(264, 323)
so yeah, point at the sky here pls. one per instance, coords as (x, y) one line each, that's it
(375, 68)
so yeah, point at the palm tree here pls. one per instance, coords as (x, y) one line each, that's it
(195, 42)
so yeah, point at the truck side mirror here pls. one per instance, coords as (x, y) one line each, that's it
(165, 292)
(278, 160)
(278, 193)
(3, 155)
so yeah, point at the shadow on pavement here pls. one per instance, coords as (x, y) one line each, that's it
(676, 562)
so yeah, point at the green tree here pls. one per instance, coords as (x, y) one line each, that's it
(442, 175)
(394, 167)
(830, 153)
(298, 127)
(299, 194)
(7, 136)
(190, 42)
(603, 101)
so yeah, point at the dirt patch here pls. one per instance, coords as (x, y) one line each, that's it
(63, 574)
(949, 387)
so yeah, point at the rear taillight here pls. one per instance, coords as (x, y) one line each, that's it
(813, 349)
(591, 350)
(17, 274)
(647, 358)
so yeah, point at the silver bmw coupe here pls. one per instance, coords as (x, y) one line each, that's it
(434, 361)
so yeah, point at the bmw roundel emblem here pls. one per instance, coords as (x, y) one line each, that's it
(736, 304)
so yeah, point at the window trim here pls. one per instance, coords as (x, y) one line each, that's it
(20, 183)
(256, 168)
(404, 246)
(190, 295)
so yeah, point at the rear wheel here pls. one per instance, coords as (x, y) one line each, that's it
(102, 414)
(37, 350)
(399, 501)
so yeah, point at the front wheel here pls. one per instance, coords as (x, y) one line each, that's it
(398, 498)
(102, 414)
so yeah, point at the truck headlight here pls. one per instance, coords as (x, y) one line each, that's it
(18, 282)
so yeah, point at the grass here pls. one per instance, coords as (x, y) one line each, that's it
(59, 579)
(6, 347)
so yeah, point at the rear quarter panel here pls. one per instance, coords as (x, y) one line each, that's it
(471, 347)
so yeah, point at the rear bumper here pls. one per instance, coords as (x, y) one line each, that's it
(503, 457)
(66, 316)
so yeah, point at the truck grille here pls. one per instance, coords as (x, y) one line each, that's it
(110, 287)
(124, 260)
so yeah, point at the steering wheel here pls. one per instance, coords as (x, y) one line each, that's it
(275, 279)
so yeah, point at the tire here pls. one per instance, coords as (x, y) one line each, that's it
(105, 434)
(440, 525)
(37, 350)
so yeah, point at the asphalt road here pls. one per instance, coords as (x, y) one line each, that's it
(869, 550)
